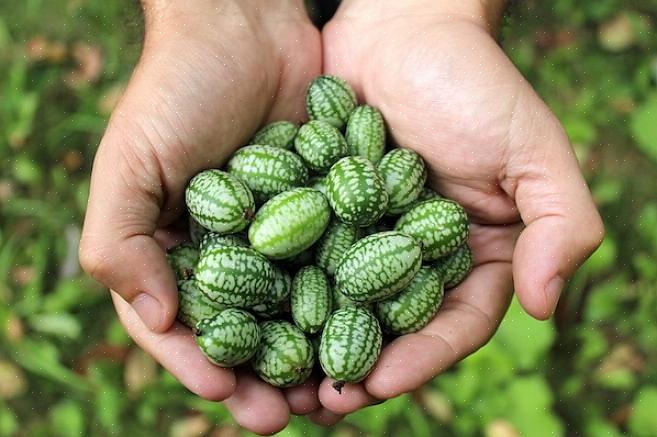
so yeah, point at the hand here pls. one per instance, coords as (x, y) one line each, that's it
(448, 91)
(211, 72)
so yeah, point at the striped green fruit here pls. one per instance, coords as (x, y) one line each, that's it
(285, 356)
(366, 134)
(277, 134)
(378, 266)
(310, 299)
(212, 239)
(426, 194)
(320, 145)
(356, 192)
(182, 259)
(337, 239)
(268, 170)
(330, 99)
(278, 295)
(193, 306)
(318, 183)
(289, 223)
(456, 266)
(219, 201)
(441, 226)
(229, 338)
(196, 231)
(412, 308)
(234, 276)
(350, 345)
(339, 300)
(404, 175)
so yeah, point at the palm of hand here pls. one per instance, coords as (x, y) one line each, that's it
(447, 91)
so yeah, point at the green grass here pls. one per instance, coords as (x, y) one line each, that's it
(67, 365)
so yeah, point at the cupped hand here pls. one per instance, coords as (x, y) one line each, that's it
(448, 91)
(210, 73)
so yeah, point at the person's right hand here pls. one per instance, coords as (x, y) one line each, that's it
(211, 72)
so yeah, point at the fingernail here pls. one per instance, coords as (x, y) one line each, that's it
(149, 310)
(553, 291)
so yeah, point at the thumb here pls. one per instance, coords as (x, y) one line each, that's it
(563, 226)
(117, 246)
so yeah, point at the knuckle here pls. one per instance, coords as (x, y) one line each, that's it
(94, 258)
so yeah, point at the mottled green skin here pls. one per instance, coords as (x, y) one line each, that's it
(441, 226)
(219, 201)
(412, 308)
(193, 306)
(234, 276)
(350, 345)
(318, 183)
(456, 266)
(289, 223)
(310, 299)
(404, 175)
(285, 356)
(378, 266)
(230, 338)
(335, 242)
(426, 194)
(277, 134)
(278, 294)
(196, 231)
(320, 145)
(182, 259)
(330, 99)
(356, 192)
(340, 301)
(366, 134)
(212, 239)
(268, 170)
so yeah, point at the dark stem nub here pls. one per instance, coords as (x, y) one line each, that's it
(337, 385)
(188, 273)
(249, 214)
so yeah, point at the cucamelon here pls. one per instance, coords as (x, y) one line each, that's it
(404, 175)
(456, 266)
(330, 99)
(310, 299)
(320, 145)
(366, 134)
(229, 338)
(337, 239)
(277, 134)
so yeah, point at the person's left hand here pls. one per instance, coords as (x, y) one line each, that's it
(447, 90)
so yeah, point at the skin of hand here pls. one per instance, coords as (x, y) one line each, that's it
(211, 72)
(448, 91)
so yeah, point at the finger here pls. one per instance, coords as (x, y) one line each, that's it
(350, 398)
(303, 399)
(324, 417)
(258, 406)
(466, 321)
(493, 243)
(117, 246)
(563, 225)
(178, 352)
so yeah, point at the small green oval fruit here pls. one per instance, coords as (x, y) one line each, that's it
(278, 295)
(335, 242)
(230, 338)
(277, 134)
(310, 299)
(350, 345)
(441, 226)
(412, 308)
(268, 170)
(426, 194)
(219, 202)
(234, 276)
(356, 192)
(378, 266)
(320, 145)
(366, 134)
(182, 259)
(285, 356)
(193, 306)
(404, 175)
(330, 99)
(456, 266)
(289, 223)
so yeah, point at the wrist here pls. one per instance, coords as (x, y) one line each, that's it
(485, 13)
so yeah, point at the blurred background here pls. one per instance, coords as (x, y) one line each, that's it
(67, 367)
